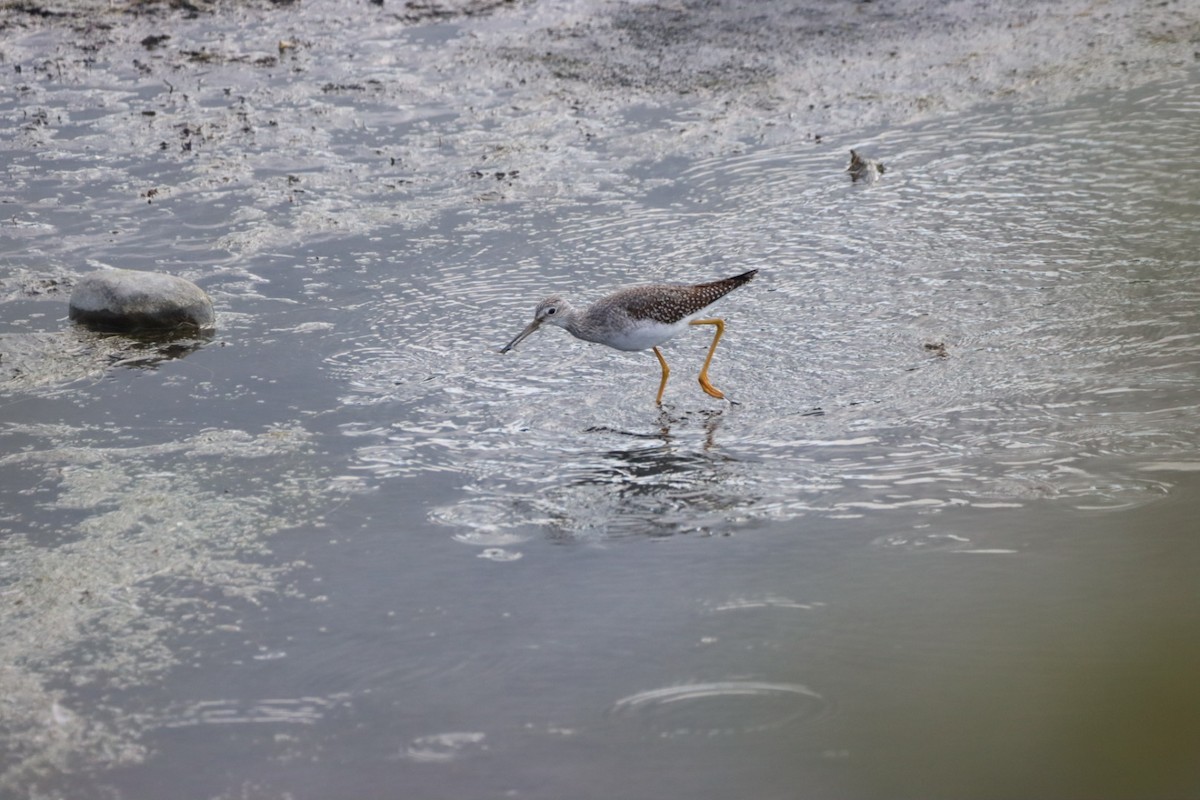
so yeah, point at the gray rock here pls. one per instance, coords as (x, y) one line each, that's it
(128, 300)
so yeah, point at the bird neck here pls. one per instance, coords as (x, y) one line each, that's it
(579, 324)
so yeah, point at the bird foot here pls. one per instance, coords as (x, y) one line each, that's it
(709, 389)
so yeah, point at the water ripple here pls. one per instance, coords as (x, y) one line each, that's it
(283, 711)
(720, 708)
(993, 324)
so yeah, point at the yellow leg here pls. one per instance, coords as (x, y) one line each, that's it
(666, 374)
(704, 384)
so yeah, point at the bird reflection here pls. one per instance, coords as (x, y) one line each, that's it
(662, 485)
(712, 421)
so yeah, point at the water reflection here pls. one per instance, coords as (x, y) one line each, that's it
(656, 491)
(48, 363)
(635, 488)
(143, 351)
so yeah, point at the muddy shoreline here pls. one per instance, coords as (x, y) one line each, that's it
(773, 70)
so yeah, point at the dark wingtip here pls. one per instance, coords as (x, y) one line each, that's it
(745, 276)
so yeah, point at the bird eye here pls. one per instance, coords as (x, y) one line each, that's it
(551, 310)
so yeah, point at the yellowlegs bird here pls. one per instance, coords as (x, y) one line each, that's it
(639, 317)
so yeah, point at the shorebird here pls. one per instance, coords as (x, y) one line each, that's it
(641, 317)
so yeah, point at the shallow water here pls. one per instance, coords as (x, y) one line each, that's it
(942, 544)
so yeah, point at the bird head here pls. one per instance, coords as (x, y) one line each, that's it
(552, 310)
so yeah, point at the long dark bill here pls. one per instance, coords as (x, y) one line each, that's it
(530, 328)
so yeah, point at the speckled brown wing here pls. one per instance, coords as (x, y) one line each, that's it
(670, 303)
